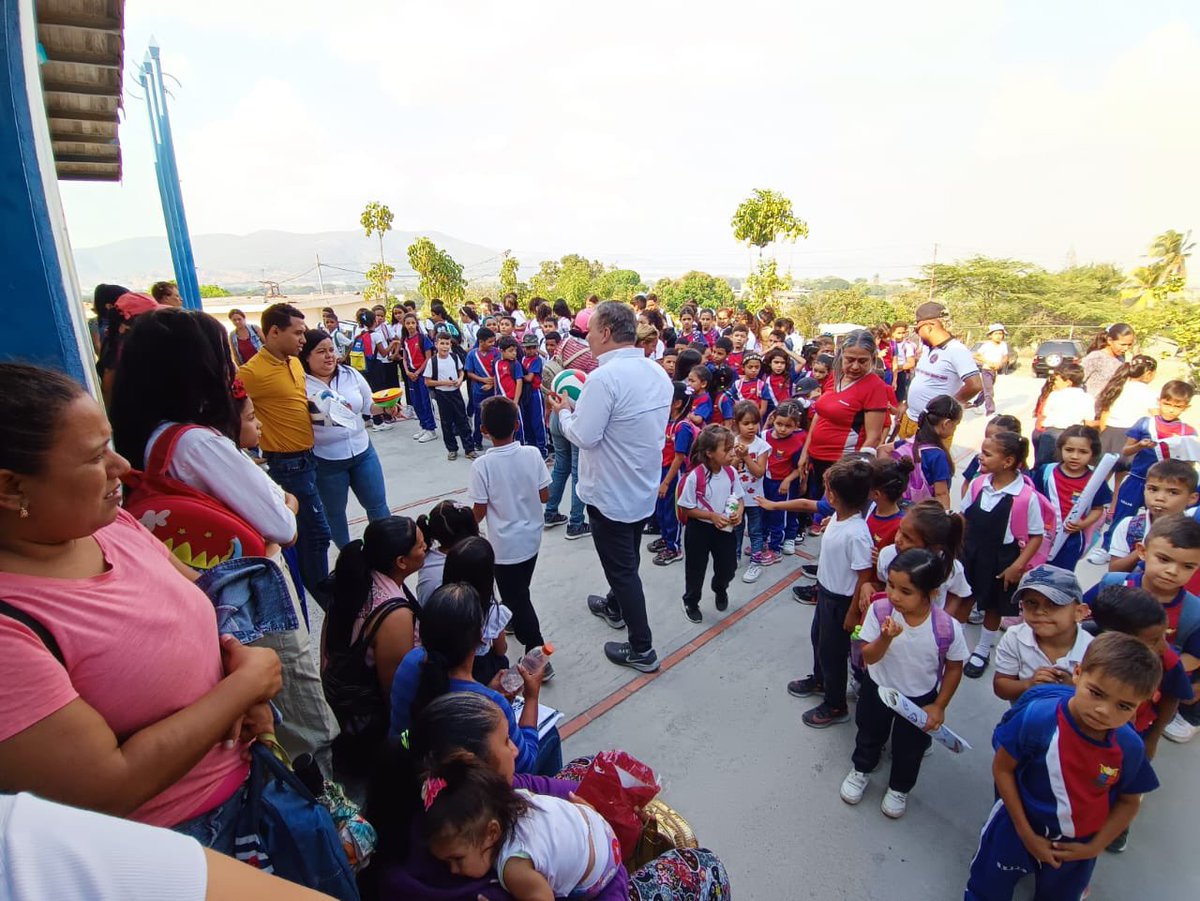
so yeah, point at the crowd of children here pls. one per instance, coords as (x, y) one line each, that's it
(903, 564)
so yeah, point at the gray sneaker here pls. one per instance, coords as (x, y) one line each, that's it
(553, 519)
(623, 654)
(583, 530)
(598, 604)
(453, 455)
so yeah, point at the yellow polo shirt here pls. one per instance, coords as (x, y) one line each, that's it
(280, 401)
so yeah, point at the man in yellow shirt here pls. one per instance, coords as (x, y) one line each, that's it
(274, 379)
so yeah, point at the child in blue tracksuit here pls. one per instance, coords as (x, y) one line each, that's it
(677, 446)
(480, 368)
(1069, 770)
(533, 411)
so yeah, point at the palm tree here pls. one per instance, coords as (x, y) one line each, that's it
(1171, 250)
(1140, 291)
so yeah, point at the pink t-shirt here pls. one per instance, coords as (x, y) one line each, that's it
(140, 644)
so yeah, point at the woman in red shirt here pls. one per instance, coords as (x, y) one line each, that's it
(850, 416)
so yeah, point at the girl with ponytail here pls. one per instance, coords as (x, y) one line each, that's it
(451, 631)
(1126, 399)
(444, 526)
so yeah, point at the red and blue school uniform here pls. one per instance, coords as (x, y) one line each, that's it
(533, 411)
(1132, 495)
(703, 406)
(781, 462)
(509, 374)
(883, 529)
(1183, 612)
(1063, 491)
(680, 434)
(756, 390)
(484, 366)
(417, 349)
(780, 385)
(724, 408)
(1175, 684)
(887, 354)
(710, 337)
(1068, 783)
(734, 359)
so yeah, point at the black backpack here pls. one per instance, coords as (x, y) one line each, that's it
(352, 687)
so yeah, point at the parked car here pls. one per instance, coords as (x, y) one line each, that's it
(1013, 360)
(1052, 354)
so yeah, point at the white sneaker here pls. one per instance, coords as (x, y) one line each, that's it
(381, 427)
(853, 687)
(975, 617)
(1098, 556)
(894, 804)
(753, 571)
(427, 436)
(789, 546)
(1180, 730)
(853, 786)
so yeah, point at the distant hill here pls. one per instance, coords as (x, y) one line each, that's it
(240, 260)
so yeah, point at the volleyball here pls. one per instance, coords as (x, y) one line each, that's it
(569, 383)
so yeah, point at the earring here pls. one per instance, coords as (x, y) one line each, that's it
(23, 513)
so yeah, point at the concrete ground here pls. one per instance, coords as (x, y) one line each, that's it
(726, 739)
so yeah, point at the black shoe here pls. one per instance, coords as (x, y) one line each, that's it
(1118, 844)
(547, 672)
(553, 519)
(651, 528)
(583, 530)
(658, 544)
(623, 654)
(722, 602)
(692, 612)
(806, 687)
(810, 569)
(599, 607)
(823, 716)
(805, 594)
(974, 670)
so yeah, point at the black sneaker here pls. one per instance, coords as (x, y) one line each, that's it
(598, 604)
(806, 687)
(823, 716)
(553, 519)
(805, 594)
(651, 528)
(1118, 844)
(583, 530)
(692, 612)
(974, 669)
(810, 569)
(658, 544)
(623, 654)
(722, 602)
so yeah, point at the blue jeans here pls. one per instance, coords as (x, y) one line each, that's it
(296, 473)
(566, 463)
(335, 478)
(215, 829)
(665, 513)
(752, 522)
(781, 524)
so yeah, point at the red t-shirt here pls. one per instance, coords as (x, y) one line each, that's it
(750, 389)
(839, 429)
(827, 385)
(781, 386)
(886, 351)
(416, 352)
(508, 373)
(883, 529)
(785, 453)
(735, 360)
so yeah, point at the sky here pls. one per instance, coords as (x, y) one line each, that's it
(632, 130)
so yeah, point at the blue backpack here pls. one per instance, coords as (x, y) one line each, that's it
(280, 814)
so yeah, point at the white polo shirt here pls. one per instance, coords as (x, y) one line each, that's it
(509, 480)
(993, 353)
(940, 370)
(1018, 653)
(618, 425)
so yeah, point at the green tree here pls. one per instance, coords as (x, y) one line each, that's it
(508, 273)
(854, 304)
(440, 276)
(214, 291)
(766, 217)
(765, 282)
(693, 287)
(618, 284)
(1164, 275)
(376, 219)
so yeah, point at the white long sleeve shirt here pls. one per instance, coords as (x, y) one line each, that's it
(618, 425)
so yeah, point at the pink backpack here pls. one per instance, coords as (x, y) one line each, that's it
(918, 488)
(1018, 520)
(701, 490)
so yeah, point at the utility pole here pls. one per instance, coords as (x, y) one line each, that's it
(320, 278)
(933, 272)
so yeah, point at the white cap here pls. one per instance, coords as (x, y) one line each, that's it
(996, 327)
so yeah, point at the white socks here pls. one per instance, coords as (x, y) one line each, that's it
(987, 641)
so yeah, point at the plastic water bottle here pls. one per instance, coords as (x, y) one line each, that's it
(511, 681)
(534, 661)
(731, 507)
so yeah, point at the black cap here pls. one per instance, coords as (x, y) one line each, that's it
(931, 309)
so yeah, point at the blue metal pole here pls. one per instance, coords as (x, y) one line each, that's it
(164, 193)
(185, 264)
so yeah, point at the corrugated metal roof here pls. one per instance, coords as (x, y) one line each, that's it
(82, 75)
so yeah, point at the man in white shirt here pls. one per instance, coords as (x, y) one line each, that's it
(945, 367)
(618, 424)
(992, 358)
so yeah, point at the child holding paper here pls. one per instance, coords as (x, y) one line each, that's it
(1078, 450)
(918, 649)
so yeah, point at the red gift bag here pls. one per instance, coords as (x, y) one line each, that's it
(617, 785)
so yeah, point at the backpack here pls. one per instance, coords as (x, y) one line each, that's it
(31, 622)
(195, 527)
(361, 350)
(918, 488)
(352, 687)
(701, 489)
(1018, 519)
(1050, 490)
(943, 632)
(554, 366)
(1189, 616)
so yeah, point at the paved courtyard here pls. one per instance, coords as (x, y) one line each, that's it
(727, 742)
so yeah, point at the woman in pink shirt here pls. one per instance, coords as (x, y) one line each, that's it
(119, 696)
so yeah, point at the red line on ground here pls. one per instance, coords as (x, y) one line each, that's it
(424, 500)
(627, 690)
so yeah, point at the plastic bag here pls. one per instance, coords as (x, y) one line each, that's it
(618, 785)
